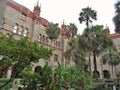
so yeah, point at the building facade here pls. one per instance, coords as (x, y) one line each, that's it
(22, 22)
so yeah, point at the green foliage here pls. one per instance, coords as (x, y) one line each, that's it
(4, 80)
(20, 54)
(80, 80)
(59, 78)
(41, 79)
(53, 31)
(116, 17)
(97, 41)
(71, 30)
(112, 58)
(29, 79)
(76, 51)
(87, 15)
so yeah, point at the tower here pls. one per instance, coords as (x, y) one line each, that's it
(107, 29)
(63, 28)
(37, 9)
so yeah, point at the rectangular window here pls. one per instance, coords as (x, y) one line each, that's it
(20, 30)
(25, 32)
(15, 28)
(23, 16)
(46, 40)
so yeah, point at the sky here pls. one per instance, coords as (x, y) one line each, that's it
(57, 11)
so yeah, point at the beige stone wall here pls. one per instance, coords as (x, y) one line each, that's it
(2, 9)
(12, 17)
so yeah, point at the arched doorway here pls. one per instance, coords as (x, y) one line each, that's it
(3, 73)
(15, 73)
(38, 69)
(96, 74)
(106, 74)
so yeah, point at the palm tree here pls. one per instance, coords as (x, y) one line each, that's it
(71, 30)
(112, 58)
(97, 42)
(53, 31)
(87, 15)
(76, 52)
(116, 18)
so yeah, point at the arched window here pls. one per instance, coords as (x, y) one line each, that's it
(15, 28)
(96, 74)
(25, 32)
(38, 69)
(2, 73)
(106, 74)
(39, 38)
(43, 39)
(47, 40)
(21, 30)
(55, 57)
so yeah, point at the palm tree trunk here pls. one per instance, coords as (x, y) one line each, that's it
(95, 73)
(112, 71)
(95, 63)
(102, 68)
(89, 59)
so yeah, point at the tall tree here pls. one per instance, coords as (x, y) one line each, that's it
(53, 31)
(112, 57)
(98, 42)
(116, 18)
(76, 52)
(87, 15)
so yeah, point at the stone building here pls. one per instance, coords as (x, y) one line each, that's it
(22, 22)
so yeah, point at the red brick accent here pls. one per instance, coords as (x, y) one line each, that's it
(113, 36)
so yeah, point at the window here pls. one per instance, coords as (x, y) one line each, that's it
(39, 38)
(2, 73)
(43, 38)
(20, 30)
(46, 40)
(25, 32)
(15, 28)
(59, 44)
(55, 57)
(23, 16)
(3, 21)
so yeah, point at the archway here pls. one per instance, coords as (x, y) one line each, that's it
(3, 73)
(15, 73)
(38, 69)
(96, 74)
(106, 74)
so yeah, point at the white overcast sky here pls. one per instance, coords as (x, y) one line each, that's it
(68, 10)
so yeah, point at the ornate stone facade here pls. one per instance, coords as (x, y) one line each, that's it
(23, 22)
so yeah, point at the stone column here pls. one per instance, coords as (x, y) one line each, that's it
(9, 72)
